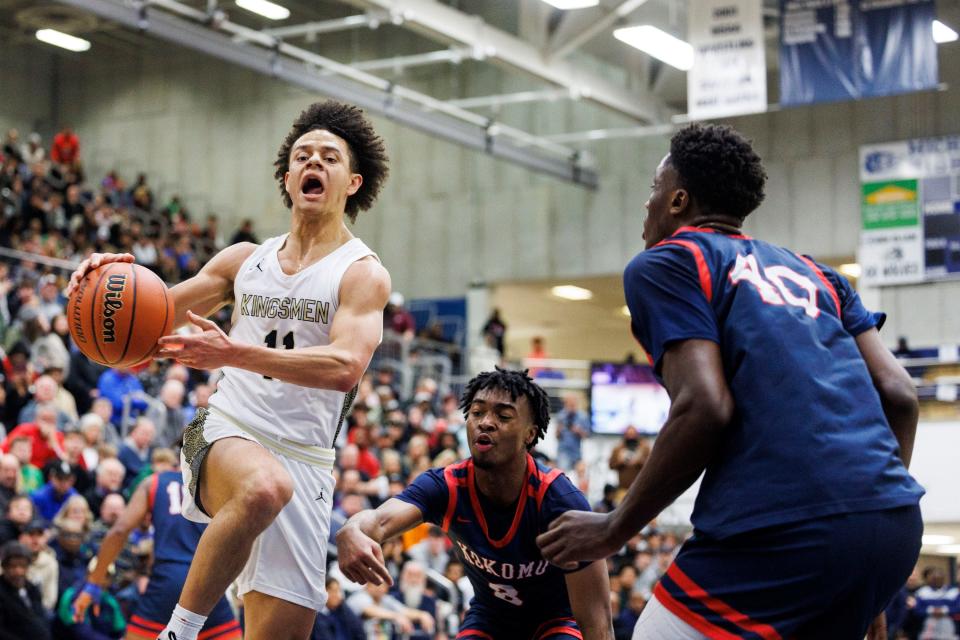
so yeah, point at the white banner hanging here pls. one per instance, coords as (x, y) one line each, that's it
(729, 74)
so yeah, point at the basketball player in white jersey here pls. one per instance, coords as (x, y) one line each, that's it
(307, 318)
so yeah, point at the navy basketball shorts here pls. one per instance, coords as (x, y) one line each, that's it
(156, 605)
(825, 578)
(479, 623)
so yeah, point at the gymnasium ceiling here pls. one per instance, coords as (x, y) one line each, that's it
(393, 50)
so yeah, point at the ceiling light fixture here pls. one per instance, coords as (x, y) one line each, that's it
(62, 40)
(570, 292)
(659, 44)
(265, 8)
(935, 538)
(566, 5)
(942, 33)
(949, 549)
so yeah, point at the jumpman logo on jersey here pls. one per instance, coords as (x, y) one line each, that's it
(320, 497)
(257, 266)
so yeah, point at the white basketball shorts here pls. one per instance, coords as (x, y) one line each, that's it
(289, 559)
(658, 623)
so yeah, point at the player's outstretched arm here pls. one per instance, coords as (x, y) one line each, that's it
(359, 540)
(701, 408)
(589, 590)
(212, 287)
(110, 548)
(896, 389)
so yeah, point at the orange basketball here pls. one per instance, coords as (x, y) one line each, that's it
(118, 312)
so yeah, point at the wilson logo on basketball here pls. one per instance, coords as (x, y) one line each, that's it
(112, 303)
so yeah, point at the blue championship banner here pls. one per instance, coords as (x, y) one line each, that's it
(833, 50)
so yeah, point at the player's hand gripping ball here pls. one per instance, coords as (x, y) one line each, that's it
(117, 312)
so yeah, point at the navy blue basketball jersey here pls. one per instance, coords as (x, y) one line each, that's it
(498, 546)
(174, 537)
(808, 437)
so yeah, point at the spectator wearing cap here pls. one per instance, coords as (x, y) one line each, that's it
(46, 442)
(73, 455)
(44, 571)
(21, 607)
(9, 478)
(17, 516)
(45, 391)
(31, 478)
(136, 448)
(397, 318)
(50, 497)
(33, 151)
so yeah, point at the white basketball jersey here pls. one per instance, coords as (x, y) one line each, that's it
(283, 311)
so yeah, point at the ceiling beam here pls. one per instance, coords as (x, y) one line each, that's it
(520, 97)
(562, 47)
(309, 30)
(446, 24)
(399, 63)
(306, 69)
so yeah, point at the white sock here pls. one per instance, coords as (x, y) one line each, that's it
(183, 625)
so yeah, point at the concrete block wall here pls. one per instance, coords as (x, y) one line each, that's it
(26, 98)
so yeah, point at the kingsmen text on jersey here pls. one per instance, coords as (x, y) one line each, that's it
(283, 311)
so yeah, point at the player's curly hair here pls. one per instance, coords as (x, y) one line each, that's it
(516, 383)
(719, 168)
(368, 155)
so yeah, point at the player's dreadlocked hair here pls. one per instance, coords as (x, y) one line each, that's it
(368, 156)
(516, 383)
(719, 168)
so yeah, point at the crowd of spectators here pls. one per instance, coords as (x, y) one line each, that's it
(77, 438)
